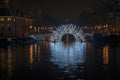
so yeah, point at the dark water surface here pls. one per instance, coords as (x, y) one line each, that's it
(60, 61)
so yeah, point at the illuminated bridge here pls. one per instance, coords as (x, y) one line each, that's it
(68, 32)
(65, 33)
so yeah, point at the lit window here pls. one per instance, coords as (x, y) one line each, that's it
(30, 27)
(1, 19)
(9, 18)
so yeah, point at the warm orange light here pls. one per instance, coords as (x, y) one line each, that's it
(99, 27)
(67, 38)
(47, 44)
(30, 27)
(9, 62)
(2, 19)
(9, 19)
(31, 54)
(105, 55)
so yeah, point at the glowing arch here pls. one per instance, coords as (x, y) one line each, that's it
(67, 29)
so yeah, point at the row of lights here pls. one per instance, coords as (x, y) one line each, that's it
(2, 19)
(100, 27)
(41, 28)
(96, 27)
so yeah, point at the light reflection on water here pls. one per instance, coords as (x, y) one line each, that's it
(58, 61)
(68, 56)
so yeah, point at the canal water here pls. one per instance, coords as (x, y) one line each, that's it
(60, 61)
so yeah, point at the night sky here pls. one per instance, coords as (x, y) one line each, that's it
(61, 8)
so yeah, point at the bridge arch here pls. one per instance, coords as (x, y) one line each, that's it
(68, 29)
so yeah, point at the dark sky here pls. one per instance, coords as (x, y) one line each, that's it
(61, 8)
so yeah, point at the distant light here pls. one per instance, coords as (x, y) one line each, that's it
(67, 20)
(9, 18)
(105, 55)
(30, 27)
(2, 19)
